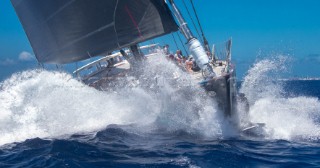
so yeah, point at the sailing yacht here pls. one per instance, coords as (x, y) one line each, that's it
(68, 31)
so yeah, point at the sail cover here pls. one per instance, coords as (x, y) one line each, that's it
(64, 31)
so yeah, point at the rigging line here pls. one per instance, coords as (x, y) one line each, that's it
(175, 41)
(195, 12)
(114, 20)
(40, 65)
(76, 65)
(191, 19)
(206, 44)
(183, 44)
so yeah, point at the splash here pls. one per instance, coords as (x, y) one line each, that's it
(287, 118)
(261, 79)
(50, 104)
(184, 104)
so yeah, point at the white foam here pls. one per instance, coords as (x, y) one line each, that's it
(285, 117)
(42, 103)
(50, 104)
(184, 105)
(288, 118)
(259, 81)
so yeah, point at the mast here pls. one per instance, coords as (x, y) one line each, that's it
(195, 47)
(137, 54)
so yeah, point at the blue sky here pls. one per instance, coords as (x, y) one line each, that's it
(259, 29)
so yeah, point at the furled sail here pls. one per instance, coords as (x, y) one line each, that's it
(64, 31)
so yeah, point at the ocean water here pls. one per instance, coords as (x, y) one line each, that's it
(158, 118)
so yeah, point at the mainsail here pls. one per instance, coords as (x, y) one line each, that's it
(64, 31)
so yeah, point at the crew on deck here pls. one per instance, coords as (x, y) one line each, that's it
(191, 65)
(166, 49)
(178, 56)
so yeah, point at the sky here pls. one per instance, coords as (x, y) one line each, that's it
(259, 29)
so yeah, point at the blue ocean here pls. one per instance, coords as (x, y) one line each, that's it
(49, 119)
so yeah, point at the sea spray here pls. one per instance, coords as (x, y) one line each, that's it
(184, 104)
(51, 104)
(288, 118)
(284, 117)
(261, 79)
